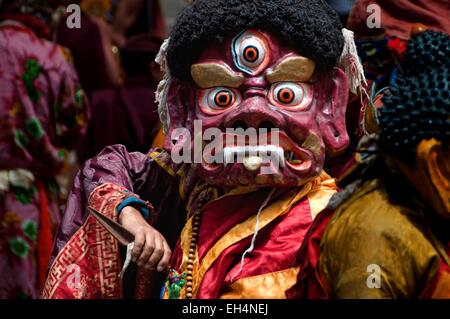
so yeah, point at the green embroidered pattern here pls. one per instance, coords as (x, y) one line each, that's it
(34, 127)
(29, 228)
(24, 196)
(20, 138)
(79, 95)
(61, 153)
(32, 71)
(19, 246)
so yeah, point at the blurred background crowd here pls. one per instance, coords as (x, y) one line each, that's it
(66, 93)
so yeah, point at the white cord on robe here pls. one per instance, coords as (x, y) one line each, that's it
(252, 245)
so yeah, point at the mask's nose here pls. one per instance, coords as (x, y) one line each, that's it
(255, 112)
(255, 86)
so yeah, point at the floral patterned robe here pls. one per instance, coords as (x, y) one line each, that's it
(42, 114)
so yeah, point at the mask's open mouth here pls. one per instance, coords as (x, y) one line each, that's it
(273, 149)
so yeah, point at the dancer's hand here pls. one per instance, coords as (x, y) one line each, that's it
(150, 247)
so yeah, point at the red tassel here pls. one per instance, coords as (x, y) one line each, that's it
(397, 47)
(45, 237)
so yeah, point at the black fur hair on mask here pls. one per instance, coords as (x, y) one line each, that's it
(310, 26)
(419, 106)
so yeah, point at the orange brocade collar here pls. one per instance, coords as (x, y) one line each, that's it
(227, 226)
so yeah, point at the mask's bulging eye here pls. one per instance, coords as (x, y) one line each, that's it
(223, 98)
(250, 52)
(291, 95)
(218, 100)
(286, 95)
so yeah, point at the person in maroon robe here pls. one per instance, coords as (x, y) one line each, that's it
(89, 58)
(43, 115)
(128, 114)
(105, 28)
